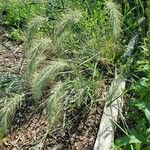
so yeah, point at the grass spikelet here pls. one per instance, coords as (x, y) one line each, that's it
(7, 111)
(34, 25)
(41, 79)
(37, 51)
(115, 17)
(56, 105)
(67, 20)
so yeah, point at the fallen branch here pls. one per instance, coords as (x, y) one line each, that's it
(105, 137)
(113, 106)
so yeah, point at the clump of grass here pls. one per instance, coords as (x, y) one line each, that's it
(64, 46)
(64, 59)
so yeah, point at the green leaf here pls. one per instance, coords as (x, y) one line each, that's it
(148, 130)
(133, 139)
(147, 148)
(128, 140)
(147, 113)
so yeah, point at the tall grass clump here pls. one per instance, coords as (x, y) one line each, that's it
(65, 45)
(63, 67)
